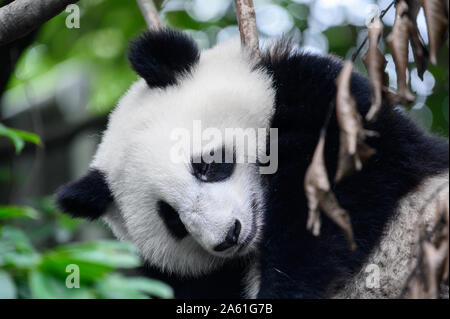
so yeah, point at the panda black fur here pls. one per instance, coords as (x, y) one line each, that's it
(285, 90)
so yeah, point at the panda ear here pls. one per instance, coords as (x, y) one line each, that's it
(87, 197)
(162, 56)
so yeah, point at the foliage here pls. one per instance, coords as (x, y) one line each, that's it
(19, 137)
(27, 273)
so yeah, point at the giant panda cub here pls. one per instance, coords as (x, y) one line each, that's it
(221, 228)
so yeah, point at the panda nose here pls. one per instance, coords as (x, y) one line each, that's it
(232, 237)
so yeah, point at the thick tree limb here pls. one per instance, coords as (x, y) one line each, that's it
(10, 53)
(150, 14)
(245, 12)
(20, 17)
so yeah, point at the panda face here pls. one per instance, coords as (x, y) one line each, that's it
(185, 216)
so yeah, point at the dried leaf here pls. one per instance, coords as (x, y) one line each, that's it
(320, 197)
(445, 275)
(414, 8)
(442, 236)
(316, 183)
(437, 24)
(421, 55)
(391, 96)
(353, 151)
(416, 289)
(330, 205)
(433, 261)
(398, 42)
(375, 64)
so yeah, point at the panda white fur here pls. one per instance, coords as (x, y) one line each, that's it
(223, 229)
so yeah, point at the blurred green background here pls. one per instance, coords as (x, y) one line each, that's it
(67, 80)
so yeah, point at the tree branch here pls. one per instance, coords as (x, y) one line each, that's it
(10, 54)
(245, 12)
(150, 14)
(20, 17)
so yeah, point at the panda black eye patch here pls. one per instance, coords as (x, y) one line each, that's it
(212, 172)
(172, 220)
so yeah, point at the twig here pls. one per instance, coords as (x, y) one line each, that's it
(245, 13)
(361, 46)
(20, 17)
(150, 14)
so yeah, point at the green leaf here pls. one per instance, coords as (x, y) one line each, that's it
(116, 286)
(57, 263)
(28, 137)
(15, 139)
(16, 239)
(19, 137)
(7, 286)
(16, 250)
(109, 253)
(40, 287)
(95, 259)
(8, 212)
(45, 286)
(21, 261)
(152, 287)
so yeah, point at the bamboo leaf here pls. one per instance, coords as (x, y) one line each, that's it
(8, 288)
(19, 137)
(9, 212)
(117, 286)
